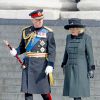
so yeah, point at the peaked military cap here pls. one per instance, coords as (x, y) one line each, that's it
(74, 22)
(37, 14)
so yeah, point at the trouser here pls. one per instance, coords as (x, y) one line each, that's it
(77, 98)
(44, 96)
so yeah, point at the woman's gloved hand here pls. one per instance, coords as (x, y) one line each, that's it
(91, 74)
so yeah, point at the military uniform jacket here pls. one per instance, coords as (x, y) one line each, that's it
(34, 79)
(78, 60)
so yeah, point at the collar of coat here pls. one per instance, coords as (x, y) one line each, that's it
(77, 37)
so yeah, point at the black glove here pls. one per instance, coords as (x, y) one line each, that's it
(91, 74)
(62, 65)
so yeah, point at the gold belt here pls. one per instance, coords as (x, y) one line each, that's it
(37, 55)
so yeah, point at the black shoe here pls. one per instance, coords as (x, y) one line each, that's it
(77, 98)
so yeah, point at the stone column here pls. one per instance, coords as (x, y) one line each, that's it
(89, 5)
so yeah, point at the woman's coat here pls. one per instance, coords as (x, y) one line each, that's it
(78, 59)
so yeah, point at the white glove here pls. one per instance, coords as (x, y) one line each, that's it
(13, 52)
(48, 70)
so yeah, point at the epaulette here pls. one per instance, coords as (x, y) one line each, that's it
(25, 35)
(26, 28)
(49, 29)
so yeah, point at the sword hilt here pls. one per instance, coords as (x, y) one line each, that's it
(22, 65)
(6, 42)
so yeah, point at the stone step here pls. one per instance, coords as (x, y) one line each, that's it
(54, 90)
(17, 74)
(27, 5)
(20, 96)
(81, 14)
(24, 14)
(89, 5)
(11, 96)
(51, 14)
(17, 81)
(15, 66)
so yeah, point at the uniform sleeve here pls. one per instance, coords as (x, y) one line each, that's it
(21, 48)
(51, 47)
(65, 56)
(89, 53)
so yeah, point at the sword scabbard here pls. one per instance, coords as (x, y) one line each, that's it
(51, 79)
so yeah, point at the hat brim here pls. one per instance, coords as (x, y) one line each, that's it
(73, 26)
(41, 17)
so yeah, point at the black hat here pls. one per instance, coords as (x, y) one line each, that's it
(37, 14)
(74, 22)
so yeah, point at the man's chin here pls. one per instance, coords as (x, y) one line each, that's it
(38, 26)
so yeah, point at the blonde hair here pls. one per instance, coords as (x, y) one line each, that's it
(82, 30)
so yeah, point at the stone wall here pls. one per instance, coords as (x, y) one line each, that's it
(53, 9)
(10, 71)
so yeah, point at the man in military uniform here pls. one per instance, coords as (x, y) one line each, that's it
(39, 45)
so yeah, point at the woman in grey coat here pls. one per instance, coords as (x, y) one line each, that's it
(78, 61)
